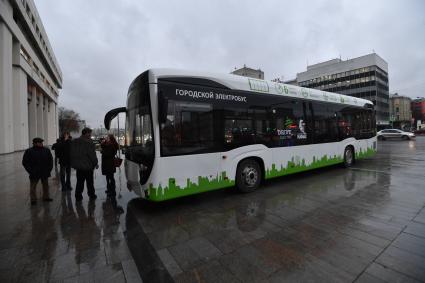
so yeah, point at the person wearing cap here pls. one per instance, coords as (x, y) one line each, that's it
(84, 160)
(38, 162)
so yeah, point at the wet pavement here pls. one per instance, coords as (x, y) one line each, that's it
(363, 224)
(61, 241)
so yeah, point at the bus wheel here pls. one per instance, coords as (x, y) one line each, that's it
(248, 176)
(348, 157)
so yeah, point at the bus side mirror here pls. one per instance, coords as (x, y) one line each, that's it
(162, 109)
(111, 115)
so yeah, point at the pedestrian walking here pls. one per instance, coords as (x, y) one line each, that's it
(63, 149)
(38, 162)
(109, 148)
(84, 160)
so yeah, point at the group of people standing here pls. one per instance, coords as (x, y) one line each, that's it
(79, 154)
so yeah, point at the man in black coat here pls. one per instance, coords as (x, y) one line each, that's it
(84, 160)
(63, 148)
(38, 162)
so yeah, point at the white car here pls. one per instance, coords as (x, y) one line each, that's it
(395, 134)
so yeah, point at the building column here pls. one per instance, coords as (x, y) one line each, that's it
(6, 98)
(54, 121)
(20, 101)
(45, 120)
(32, 113)
(20, 109)
(40, 119)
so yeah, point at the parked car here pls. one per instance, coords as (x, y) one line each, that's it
(395, 134)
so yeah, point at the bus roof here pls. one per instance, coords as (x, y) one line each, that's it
(235, 82)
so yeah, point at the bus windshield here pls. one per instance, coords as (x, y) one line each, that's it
(139, 135)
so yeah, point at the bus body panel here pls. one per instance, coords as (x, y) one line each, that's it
(186, 175)
(192, 174)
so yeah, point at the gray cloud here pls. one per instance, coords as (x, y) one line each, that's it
(103, 45)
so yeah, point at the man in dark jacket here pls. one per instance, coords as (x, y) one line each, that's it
(38, 162)
(63, 148)
(84, 160)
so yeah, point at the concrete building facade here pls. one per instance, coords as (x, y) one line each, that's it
(364, 77)
(400, 111)
(30, 78)
(249, 72)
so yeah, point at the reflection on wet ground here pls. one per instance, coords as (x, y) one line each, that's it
(366, 223)
(62, 241)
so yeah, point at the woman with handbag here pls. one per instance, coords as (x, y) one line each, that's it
(109, 148)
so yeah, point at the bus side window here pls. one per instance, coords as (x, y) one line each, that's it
(345, 123)
(325, 123)
(290, 123)
(262, 125)
(188, 128)
(284, 124)
(238, 127)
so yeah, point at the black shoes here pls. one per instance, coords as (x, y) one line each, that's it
(34, 202)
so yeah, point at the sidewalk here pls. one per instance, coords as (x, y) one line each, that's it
(61, 241)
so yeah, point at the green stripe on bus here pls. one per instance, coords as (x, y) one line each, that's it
(204, 184)
(367, 153)
(174, 191)
(295, 167)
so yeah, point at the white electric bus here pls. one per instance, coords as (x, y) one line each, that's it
(188, 133)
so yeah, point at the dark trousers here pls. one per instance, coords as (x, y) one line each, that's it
(33, 186)
(65, 174)
(84, 176)
(110, 185)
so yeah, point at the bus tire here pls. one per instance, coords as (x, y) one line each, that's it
(248, 176)
(348, 157)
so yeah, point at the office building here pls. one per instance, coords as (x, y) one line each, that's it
(364, 77)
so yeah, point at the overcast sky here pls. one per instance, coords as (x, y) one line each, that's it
(102, 46)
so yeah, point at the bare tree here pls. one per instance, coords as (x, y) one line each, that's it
(69, 120)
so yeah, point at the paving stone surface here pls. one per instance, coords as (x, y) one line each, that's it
(62, 241)
(363, 224)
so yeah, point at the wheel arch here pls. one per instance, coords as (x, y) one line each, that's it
(260, 162)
